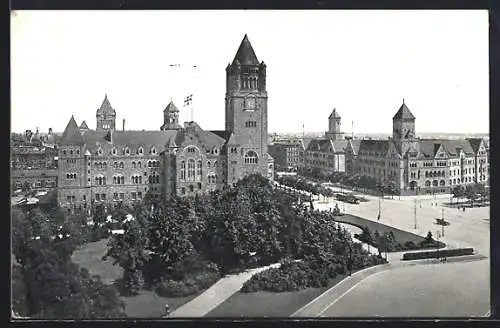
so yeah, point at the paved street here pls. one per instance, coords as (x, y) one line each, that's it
(433, 290)
(457, 288)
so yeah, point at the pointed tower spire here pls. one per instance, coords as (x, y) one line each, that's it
(245, 54)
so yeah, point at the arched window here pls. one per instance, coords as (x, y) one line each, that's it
(434, 183)
(251, 158)
(442, 183)
(122, 165)
(140, 179)
(115, 165)
(140, 151)
(139, 164)
(122, 180)
(114, 180)
(208, 164)
(198, 169)
(190, 169)
(157, 179)
(427, 183)
(133, 165)
(71, 152)
(149, 163)
(153, 150)
(150, 179)
(191, 188)
(114, 151)
(183, 170)
(183, 190)
(216, 164)
(199, 185)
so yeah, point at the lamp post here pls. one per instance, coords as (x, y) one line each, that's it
(415, 214)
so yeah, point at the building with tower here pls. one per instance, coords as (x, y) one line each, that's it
(328, 154)
(109, 166)
(415, 165)
(334, 127)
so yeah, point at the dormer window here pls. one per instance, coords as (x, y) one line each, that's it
(153, 151)
(140, 151)
(114, 151)
(126, 151)
(99, 151)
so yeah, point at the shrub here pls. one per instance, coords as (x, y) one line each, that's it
(190, 285)
(441, 253)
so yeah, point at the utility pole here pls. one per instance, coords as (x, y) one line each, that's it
(442, 218)
(415, 213)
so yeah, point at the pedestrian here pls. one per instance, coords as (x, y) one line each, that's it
(167, 311)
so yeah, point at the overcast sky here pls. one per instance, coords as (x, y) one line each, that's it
(361, 62)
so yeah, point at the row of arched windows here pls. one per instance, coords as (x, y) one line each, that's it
(100, 165)
(118, 179)
(435, 174)
(250, 82)
(125, 151)
(193, 171)
(71, 176)
(100, 180)
(154, 179)
(153, 163)
(71, 152)
(251, 158)
(137, 179)
(435, 183)
(212, 178)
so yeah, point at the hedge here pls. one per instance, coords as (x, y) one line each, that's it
(441, 253)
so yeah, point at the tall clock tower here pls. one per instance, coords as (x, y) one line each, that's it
(246, 114)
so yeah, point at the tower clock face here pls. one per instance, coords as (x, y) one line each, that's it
(250, 103)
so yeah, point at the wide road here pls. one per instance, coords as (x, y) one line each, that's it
(453, 289)
(429, 290)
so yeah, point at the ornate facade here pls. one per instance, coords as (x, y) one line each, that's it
(106, 165)
(419, 165)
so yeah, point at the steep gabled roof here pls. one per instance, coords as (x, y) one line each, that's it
(84, 125)
(171, 107)
(403, 113)
(334, 114)
(72, 135)
(106, 107)
(245, 54)
(475, 143)
(354, 145)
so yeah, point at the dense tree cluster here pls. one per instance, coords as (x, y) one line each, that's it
(355, 181)
(473, 193)
(46, 283)
(178, 246)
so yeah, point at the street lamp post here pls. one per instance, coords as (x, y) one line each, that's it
(415, 214)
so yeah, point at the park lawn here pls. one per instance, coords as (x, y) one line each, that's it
(147, 304)
(89, 256)
(401, 236)
(268, 304)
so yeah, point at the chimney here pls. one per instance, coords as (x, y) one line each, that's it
(123, 124)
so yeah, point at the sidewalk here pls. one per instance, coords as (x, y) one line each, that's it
(216, 294)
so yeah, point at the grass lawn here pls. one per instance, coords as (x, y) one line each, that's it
(149, 305)
(268, 304)
(144, 305)
(90, 255)
(401, 236)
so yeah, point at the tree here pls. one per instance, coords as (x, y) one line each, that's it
(458, 192)
(46, 284)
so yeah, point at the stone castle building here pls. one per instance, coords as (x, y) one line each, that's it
(108, 165)
(418, 165)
